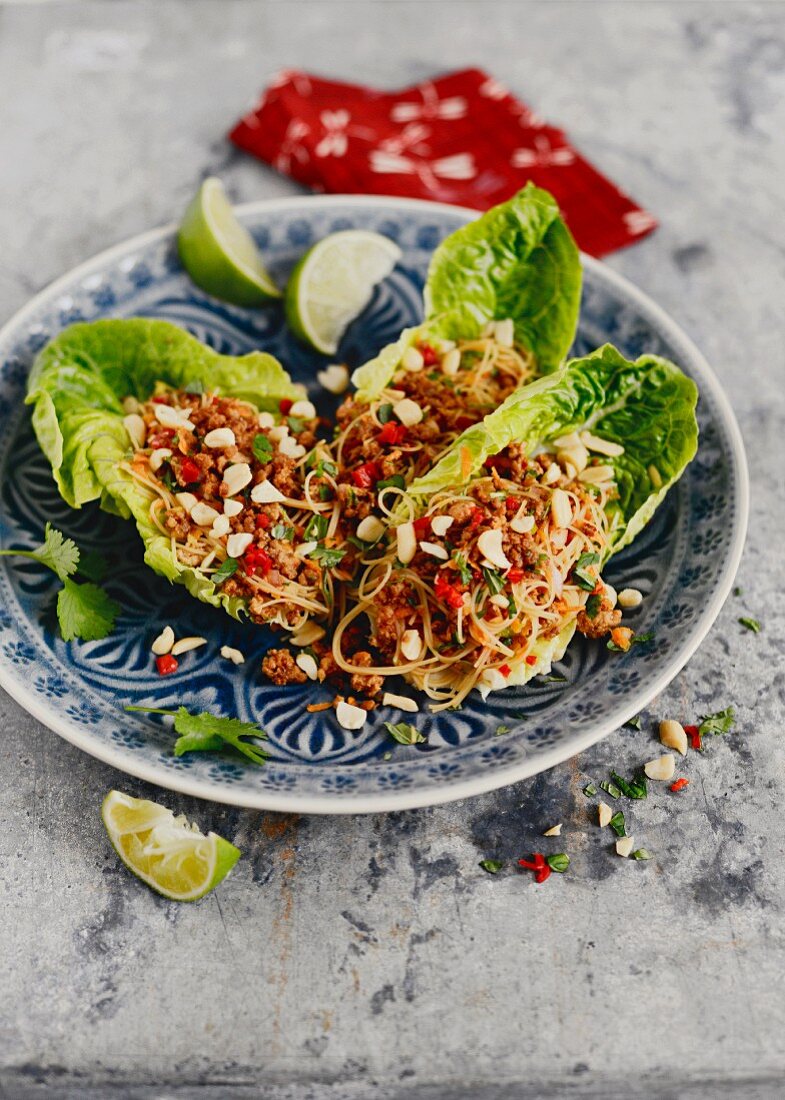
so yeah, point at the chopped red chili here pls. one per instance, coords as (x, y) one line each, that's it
(190, 471)
(694, 735)
(531, 659)
(166, 665)
(477, 518)
(429, 355)
(515, 575)
(161, 400)
(392, 432)
(285, 405)
(366, 476)
(255, 558)
(680, 784)
(422, 526)
(505, 670)
(161, 438)
(448, 592)
(263, 521)
(538, 865)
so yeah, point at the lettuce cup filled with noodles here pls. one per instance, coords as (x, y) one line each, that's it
(215, 458)
(486, 565)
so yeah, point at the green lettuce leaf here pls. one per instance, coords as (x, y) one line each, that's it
(76, 388)
(647, 405)
(518, 260)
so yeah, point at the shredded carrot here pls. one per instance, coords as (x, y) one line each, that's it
(622, 637)
(314, 707)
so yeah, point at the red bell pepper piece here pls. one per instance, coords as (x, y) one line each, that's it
(392, 433)
(366, 476)
(166, 665)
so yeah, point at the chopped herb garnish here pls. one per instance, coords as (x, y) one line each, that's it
(326, 467)
(282, 532)
(316, 528)
(721, 722)
(387, 756)
(558, 862)
(394, 482)
(492, 866)
(500, 730)
(384, 412)
(328, 556)
(196, 386)
(589, 790)
(634, 723)
(168, 478)
(493, 580)
(636, 639)
(405, 734)
(635, 788)
(207, 732)
(296, 424)
(225, 570)
(581, 577)
(325, 492)
(641, 853)
(463, 568)
(262, 448)
(593, 605)
(737, 591)
(751, 624)
(617, 823)
(610, 788)
(553, 679)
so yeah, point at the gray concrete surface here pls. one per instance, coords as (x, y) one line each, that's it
(369, 957)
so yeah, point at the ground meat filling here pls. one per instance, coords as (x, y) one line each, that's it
(280, 666)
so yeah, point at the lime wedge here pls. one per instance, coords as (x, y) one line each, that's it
(220, 254)
(333, 283)
(164, 851)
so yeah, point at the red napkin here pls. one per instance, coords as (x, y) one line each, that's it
(462, 139)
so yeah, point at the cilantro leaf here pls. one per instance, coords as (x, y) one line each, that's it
(327, 556)
(641, 853)
(636, 639)
(262, 448)
(205, 732)
(593, 605)
(493, 580)
(580, 575)
(58, 553)
(226, 569)
(750, 624)
(634, 723)
(85, 611)
(394, 482)
(316, 527)
(721, 722)
(405, 734)
(617, 823)
(492, 866)
(500, 730)
(463, 568)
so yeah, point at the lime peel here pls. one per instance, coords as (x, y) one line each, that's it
(167, 853)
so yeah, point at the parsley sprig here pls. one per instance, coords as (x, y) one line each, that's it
(84, 610)
(205, 732)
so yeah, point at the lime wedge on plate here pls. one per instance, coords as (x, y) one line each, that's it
(164, 851)
(333, 283)
(220, 254)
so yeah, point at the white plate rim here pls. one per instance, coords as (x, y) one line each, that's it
(484, 782)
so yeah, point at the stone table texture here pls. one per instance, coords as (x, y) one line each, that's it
(369, 956)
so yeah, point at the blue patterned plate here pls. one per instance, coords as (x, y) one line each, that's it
(684, 562)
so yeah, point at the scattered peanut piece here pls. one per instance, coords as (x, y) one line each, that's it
(604, 813)
(164, 642)
(673, 736)
(624, 846)
(554, 831)
(662, 768)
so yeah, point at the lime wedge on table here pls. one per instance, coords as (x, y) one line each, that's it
(333, 283)
(220, 254)
(164, 851)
